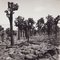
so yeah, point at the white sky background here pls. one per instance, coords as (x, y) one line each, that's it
(30, 8)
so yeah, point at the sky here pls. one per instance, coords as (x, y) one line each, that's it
(30, 8)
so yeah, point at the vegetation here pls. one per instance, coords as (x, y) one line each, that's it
(11, 7)
(40, 23)
(32, 43)
(19, 22)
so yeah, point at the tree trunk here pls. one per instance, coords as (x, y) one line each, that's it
(56, 35)
(56, 32)
(21, 33)
(39, 32)
(28, 33)
(11, 28)
(2, 38)
(25, 33)
(18, 33)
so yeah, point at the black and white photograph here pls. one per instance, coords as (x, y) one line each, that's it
(29, 29)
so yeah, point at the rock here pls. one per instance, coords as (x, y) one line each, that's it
(11, 50)
(8, 58)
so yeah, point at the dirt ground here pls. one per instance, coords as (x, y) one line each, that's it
(22, 48)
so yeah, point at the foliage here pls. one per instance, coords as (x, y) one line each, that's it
(39, 22)
(49, 24)
(1, 28)
(8, 32)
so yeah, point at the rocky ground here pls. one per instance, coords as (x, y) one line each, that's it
(23, 50)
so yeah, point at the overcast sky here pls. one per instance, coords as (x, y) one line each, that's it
(30, 8)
